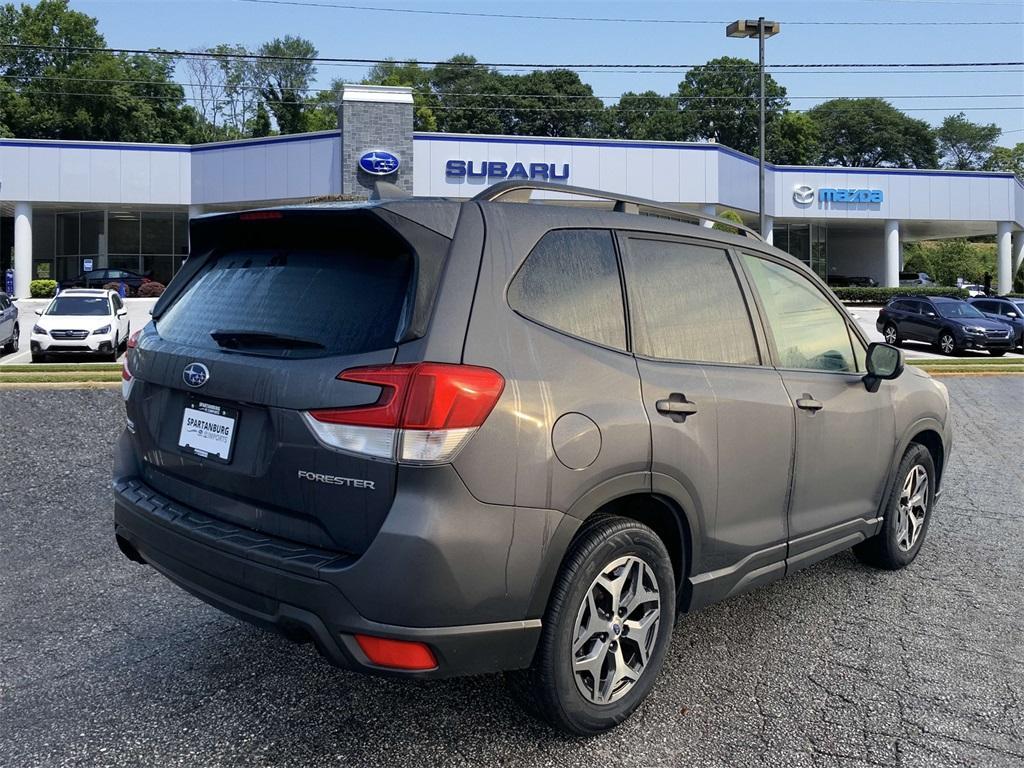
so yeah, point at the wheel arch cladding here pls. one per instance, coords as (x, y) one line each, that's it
(931, 440)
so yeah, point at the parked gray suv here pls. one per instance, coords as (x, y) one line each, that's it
(444, 438)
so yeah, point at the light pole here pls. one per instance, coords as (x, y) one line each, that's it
(760, 29)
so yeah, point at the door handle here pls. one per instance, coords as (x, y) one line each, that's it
(808, 403)
(676, 407)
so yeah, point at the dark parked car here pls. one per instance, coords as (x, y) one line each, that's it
(10, 330)
(98, 278)
(952, 325)
(1005, 310)
(916, 278)
(443, 438)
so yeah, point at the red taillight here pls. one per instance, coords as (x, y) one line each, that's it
(397, 654)
(425, 412)
(133, 341)
(421, 396)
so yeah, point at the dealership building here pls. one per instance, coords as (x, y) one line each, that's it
(66, 206)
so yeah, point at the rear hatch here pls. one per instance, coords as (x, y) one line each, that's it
(252, 335)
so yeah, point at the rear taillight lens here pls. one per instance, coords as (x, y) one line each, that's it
(425, 413)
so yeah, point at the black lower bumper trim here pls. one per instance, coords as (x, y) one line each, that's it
(287, 596)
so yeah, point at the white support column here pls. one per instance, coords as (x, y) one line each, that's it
(1004, 275)
(769, 230)
(708, 210)
(1016, 252)
(22, 249)
(892, 253)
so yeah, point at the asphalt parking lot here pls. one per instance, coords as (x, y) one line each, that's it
(103, 662)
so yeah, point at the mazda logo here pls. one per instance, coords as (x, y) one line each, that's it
(195, 374)
(802, 194)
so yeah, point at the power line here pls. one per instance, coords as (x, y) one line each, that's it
(466, 94)
(616, 20)
(177, 54)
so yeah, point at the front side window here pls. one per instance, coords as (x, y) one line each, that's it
(809, 331)
(686, 304)
(953, 309)
(570, 282)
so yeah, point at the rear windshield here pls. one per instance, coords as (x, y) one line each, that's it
(329, 302)
(79, 305)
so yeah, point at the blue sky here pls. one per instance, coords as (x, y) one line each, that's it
(187, 24)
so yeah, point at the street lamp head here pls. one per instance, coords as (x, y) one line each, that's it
(748, 28)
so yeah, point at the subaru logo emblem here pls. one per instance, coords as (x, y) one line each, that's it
(195, 374)
(379, 162)
(802, 194)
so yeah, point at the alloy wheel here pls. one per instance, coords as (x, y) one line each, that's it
(912, 508)
(890, 334)
(947, 344)
(616, 629)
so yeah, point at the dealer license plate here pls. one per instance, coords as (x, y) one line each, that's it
(208, 430)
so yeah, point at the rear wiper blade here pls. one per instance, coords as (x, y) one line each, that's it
(238, 339)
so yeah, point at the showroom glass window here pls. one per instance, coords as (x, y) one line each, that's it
(809, 331)
(570, 282)
(685, 303)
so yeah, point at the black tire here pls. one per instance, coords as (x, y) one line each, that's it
(124, 343)
(997, 352)
(893, 332)
(952, 346)
(548, 689)
(38, 357)
(883, 550)
(12, 344)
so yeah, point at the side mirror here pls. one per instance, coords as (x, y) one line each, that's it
(929, 314)
(884, 362)
(1012, 315)
(39, 312)
(122, 312)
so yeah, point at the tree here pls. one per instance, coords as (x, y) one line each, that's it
(964, 145)
(66, 89)
(647, 116)
(794, 139)
(284, 81)
(948, 260)
(872, 133)
(720, 102)
(470, 96)
(1007, 159)
(551, 103)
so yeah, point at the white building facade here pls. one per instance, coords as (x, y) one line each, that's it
(67, 206)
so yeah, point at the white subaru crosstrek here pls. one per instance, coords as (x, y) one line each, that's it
(81, 321)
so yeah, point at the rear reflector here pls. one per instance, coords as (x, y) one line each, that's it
(425, 412)
(397, 654)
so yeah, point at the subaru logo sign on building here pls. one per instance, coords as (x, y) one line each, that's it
(195, 374)
(463, 169)
(379, 163)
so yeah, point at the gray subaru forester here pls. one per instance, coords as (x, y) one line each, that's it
(442, 438)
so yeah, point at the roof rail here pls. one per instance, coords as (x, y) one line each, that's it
(519, 192)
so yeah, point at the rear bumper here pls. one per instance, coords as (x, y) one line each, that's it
(282, 587)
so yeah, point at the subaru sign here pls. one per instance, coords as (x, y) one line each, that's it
(379, 163)
(195, 374)
(463, 169)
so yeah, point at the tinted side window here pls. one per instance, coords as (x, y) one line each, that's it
(685, 303)
(809, 331)
(570, 282)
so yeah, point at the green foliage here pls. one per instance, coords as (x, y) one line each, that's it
(871, 132)
(647, 116)
(1007, 159)
(963, 145)
(865, 295)
(719, 101)
(69, 93)
(283, 83)
(728, 215)
(948, 260)
(42, 289)
(794, 139)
